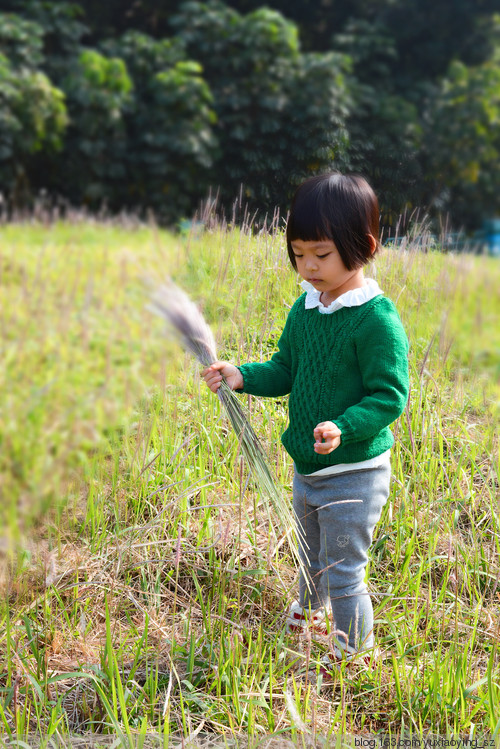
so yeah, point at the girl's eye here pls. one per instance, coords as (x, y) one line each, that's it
(295, 255)
(320, 257)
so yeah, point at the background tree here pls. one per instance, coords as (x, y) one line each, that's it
(280, 114)
(383, 126)
(428, 34)
(32, 110)
(139, 118)
(63, 31)
(152, 103)
(463, 142)
(88, 168)
(170, 146)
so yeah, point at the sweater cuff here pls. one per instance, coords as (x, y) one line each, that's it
(241, 390)
(347, 432)
(249, 380)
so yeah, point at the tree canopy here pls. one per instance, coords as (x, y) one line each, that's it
(150, 105)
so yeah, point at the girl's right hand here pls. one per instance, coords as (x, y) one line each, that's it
(214, 373)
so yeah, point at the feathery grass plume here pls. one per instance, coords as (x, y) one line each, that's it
(171, 303)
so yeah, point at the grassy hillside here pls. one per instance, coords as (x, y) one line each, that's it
(145, 585)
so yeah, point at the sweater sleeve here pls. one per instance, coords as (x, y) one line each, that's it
(382, 351)
(274, 377)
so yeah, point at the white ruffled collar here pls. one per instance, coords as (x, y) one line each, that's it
(353, 298)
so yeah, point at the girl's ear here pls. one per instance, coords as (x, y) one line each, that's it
(372, 242)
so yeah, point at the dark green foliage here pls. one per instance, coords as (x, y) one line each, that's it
(426, 143)
(427, 34)
(139, 121)
(384, 127)
(228, 101)
(280, 114)
(150, 105)
(114, 18)
(32, 110)
(463, 141)
(62, 29)
(97, 90)
(170, 144)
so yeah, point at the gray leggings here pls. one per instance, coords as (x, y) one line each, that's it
(338, 514)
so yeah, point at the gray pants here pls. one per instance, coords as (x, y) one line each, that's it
(338, 514)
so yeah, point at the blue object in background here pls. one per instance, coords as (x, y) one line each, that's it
(492, 235)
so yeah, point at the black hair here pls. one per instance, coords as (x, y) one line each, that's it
(340, 207)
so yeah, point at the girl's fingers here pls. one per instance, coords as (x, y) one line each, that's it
(215, 367)
(214, 386)
(327, 437)
(324, 449)
(216, 372)
(326, 431)
(214, 383)
(212, 377)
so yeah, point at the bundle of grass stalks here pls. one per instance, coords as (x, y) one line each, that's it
(187, 322)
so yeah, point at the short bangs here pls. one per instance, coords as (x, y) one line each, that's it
(341, 208)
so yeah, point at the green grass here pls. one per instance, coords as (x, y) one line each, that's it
(145, 585)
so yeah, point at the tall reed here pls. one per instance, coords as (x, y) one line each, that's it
(187, 322)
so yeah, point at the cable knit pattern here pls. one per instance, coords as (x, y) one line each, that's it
(350, 367)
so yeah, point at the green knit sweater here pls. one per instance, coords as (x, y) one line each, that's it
(349, 367)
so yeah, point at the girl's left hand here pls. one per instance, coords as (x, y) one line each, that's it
(327, 436)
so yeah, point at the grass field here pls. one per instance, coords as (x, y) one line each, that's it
(145, 586)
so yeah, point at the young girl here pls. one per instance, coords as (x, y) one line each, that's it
(343, 357)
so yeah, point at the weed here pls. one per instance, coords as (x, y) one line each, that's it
(145, 594)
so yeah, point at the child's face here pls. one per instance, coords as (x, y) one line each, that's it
(319, 262)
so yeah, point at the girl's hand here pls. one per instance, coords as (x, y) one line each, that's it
(214, 373)
(327, 436)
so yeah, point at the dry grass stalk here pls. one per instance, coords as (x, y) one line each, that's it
(187, 322)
